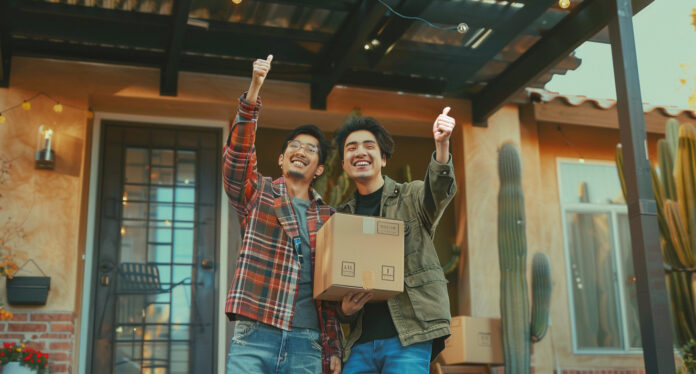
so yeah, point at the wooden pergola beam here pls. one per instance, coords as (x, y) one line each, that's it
(5, 46)
(348, 43)
(169, 72)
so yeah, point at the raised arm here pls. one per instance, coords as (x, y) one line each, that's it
(439, 185)
(239, 166)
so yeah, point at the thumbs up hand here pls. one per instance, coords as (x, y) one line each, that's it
(261, 69)
(443, 126)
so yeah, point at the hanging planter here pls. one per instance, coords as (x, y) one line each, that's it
(16, 368)
(19, 359)
(28, 290)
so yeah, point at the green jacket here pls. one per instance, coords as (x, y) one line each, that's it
(422, 312)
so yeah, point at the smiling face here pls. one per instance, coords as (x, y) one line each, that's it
(300, 163)
(362, 158)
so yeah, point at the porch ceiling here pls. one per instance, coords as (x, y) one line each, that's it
(509, 45)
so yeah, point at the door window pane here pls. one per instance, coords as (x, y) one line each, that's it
(162, 175)
(186, 168)
(133, 241)
(162, 157)
(593, 287)
(137, 165)
(590, 183)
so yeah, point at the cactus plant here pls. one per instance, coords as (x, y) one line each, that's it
(674, 185)
(518, 332)
(541, 295)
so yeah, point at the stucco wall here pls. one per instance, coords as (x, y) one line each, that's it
(54, 203)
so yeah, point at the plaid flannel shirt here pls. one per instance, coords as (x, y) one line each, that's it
(268, 268)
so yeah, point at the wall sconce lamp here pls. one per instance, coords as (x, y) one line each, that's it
(44, 154)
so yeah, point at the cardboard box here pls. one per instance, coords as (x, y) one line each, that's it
(358, 252)
(473, 341)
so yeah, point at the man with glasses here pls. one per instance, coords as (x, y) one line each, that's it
(279, 327)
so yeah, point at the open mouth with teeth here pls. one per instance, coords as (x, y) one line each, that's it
(299, 163)
(360, 164)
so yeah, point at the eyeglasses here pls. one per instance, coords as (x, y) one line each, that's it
(295, 145)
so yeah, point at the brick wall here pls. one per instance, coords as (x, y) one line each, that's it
(51, 333)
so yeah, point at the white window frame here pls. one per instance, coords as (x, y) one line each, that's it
(612, 210)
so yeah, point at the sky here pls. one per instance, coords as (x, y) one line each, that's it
(666, 50)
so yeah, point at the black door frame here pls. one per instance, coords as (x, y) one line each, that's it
(86, 358)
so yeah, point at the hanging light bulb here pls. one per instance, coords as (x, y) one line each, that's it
(564, 4)
(2, 118)
(236, 2)
(26, 105)
(58, 108)
(90, 113)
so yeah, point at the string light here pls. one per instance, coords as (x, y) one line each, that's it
(462, 28)
(57, 107)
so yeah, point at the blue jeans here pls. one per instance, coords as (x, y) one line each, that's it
(257, 348)
(388, 356)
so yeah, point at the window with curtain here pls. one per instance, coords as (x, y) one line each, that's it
(604, 307)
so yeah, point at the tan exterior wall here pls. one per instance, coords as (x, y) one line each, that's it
(590, 143)
(541, 145)
(54, 203)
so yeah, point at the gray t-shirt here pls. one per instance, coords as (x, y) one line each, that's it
(305, 307)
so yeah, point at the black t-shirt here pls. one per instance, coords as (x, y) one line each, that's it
(377, 321)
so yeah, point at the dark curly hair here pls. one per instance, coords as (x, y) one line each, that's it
(384, 140)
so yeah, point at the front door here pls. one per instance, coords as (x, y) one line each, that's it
(156, 250)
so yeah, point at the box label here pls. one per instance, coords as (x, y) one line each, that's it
(388, 228)
(484, 339)
(387, 273)
(368, 225)
(348, 269)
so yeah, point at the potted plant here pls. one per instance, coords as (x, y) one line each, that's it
(20, 359)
